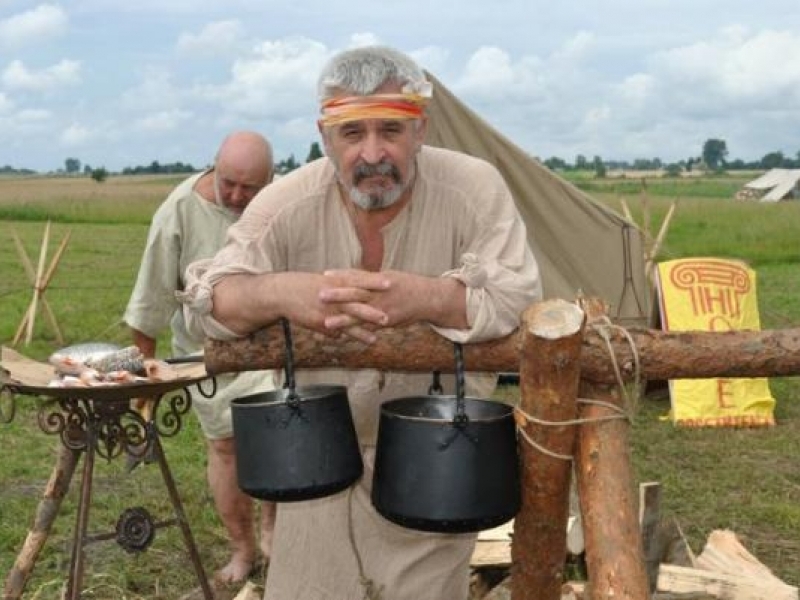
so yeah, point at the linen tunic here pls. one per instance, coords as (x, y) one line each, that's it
(186, 228)
(461, 222)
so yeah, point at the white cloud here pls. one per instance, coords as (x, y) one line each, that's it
(161, 122)
(357, 40)
(34, 26)
(155, 92)
(6, 103)
(488, 70)
(33, 115)
(733, 70)
(19, 77)
(76, 135)
(215, 39)
(276, 81)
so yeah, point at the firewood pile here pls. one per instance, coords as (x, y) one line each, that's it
(746, 194)
(724, 570)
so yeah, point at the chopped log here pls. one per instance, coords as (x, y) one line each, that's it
(549, 379)
(649, 517)
(46, 513)
(725, 586)
(723, 553)
(660, 355)
(614, 554)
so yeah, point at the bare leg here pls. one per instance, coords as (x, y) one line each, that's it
(267, 526)
(235, 509)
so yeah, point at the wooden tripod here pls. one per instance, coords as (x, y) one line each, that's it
(39, 278)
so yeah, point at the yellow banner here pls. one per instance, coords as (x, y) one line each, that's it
(712, 294)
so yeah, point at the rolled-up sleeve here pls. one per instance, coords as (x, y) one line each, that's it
(498, 268)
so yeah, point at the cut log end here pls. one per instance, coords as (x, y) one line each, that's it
(553, 319)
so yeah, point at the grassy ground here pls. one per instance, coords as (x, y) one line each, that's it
(744, 480)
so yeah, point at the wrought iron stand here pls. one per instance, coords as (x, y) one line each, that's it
(103, 424)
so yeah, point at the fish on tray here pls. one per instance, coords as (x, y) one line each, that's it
(99, 363)
(98, 356)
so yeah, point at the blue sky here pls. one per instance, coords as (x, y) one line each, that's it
(118, 84)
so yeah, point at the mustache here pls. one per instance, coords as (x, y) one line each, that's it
(365, 170)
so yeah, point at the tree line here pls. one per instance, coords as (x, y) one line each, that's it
(713, 157)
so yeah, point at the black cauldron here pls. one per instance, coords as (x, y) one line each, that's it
(295, 443)
(446, 463)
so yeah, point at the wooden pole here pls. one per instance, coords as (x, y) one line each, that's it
(37, 286)
(46, 513)
(614, 552)
(549, 377)
(649, 353)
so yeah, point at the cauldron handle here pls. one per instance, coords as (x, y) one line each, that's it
(292, 399)
(460, 419)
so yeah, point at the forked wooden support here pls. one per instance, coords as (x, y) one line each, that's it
(39, 279)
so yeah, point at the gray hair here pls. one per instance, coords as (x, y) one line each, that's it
(361, 71)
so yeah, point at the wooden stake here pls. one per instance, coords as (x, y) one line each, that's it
(655, 248)
(46, 513)
(37, 285)
(549, 376)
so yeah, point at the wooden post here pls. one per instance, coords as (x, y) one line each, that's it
(46, 513)
(549, 378)
(608, 499)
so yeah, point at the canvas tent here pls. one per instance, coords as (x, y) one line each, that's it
(779, 184)
(583, 247)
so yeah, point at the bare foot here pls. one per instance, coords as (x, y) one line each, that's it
(236, 571)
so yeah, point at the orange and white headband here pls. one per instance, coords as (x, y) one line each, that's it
(344, 109)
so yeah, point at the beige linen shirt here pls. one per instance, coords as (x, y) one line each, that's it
(461, 222)
(186, 228)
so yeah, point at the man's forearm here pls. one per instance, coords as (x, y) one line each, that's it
(447, 305)
(145, 344)
(244, 303)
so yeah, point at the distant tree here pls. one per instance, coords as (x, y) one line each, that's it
(736, 165)
(581, 163)
(599, 167)
(314, 152)
(72, 165)
(673, 170)
(554, 163)
(99, 175)
(286, 165)
(773, 160)
(87, 170)
(714, 153)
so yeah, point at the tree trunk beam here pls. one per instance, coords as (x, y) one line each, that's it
(549, 379)
(660, 354)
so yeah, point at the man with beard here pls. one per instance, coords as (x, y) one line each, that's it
(191, 224)
(383, 232)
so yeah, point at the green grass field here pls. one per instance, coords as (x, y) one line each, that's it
(746, 480)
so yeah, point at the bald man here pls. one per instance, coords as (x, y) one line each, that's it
(192, 224)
